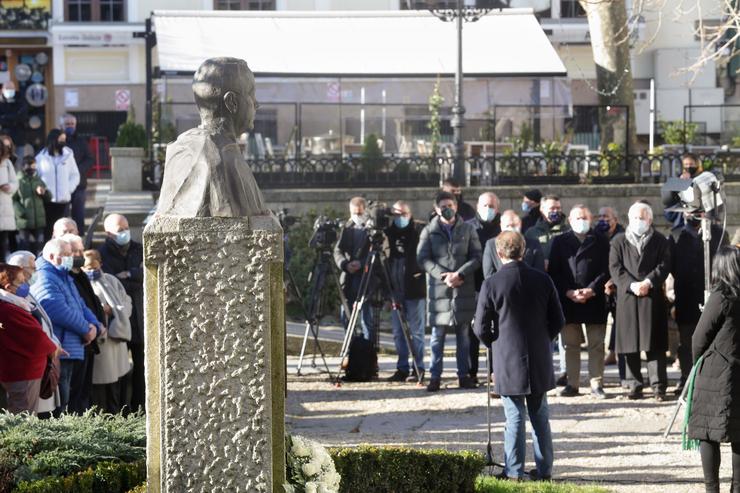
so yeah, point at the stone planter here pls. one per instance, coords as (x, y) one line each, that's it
(126, 164)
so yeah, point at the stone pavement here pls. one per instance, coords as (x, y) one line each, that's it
(615, 441)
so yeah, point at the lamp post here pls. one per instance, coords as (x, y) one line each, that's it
(459, 14)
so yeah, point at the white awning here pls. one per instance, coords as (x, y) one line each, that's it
(508, 42)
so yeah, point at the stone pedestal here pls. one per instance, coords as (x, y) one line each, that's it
(126, 165)
(215, 367)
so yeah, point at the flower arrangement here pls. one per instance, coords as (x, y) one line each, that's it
(310, 467)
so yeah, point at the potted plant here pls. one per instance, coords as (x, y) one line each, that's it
(127, 156)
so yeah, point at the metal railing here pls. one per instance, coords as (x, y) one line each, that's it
(521, 168)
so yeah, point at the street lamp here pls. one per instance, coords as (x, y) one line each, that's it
(459, 14)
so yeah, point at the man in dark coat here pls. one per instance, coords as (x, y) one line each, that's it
(608, 224)
(449, 251)
(532, 250)
(639, 262)
(487, 224)
(408, 280)
(350, 254)
(688, 274)
(124, 258)
(519, 315)
(85, 161)
(531, 208)
(579, 267)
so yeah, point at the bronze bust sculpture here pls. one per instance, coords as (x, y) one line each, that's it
(205, 173)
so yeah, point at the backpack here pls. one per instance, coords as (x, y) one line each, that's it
(362, 360)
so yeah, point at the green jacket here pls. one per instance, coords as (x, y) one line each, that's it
(29, 206)
(543, 233)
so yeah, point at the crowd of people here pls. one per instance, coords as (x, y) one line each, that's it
(546, 281)
(71, 322)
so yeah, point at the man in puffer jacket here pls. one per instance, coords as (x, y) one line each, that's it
(74, 324)
(450, 253)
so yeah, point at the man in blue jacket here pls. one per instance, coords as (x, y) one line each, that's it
(74, 324)
(518, 316)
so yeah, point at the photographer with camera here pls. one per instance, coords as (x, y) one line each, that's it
(688, 274)
(407, 279)
(450, 253)
(350, 254)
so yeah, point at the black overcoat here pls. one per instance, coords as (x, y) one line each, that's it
(519, 312)
(130, 258)
(576, 265)
(533, 257)
(642, 321)
(715, 413)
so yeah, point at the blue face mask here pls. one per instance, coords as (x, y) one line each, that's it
(94, 275)
(487, 214)
(401, 222)
(23, 290)
(123, 237)
(602, 226)
(69, 131)
(555, 217)
(526, 207)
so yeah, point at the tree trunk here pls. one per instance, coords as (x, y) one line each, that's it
(607, 22)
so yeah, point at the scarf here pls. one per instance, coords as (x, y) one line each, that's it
(686, 442)
(639, 242)
(9, 297)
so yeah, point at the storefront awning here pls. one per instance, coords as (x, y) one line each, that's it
(504, 43)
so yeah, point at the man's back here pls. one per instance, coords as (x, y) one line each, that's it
(519, 310)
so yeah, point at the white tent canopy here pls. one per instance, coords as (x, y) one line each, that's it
(504, 43)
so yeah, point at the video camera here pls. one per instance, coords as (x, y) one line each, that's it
(286, 220)
(325, 232)
(380, 216)
(697, 195)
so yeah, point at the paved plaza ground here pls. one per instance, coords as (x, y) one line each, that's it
(615, 441)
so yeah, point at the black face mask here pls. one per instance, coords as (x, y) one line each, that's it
(59, 147)
(29, 171)
(692, 170)
(78, 262)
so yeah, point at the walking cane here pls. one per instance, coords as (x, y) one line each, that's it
(489, 447)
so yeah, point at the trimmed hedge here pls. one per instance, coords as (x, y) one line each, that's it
(105, 477)
(384, 469)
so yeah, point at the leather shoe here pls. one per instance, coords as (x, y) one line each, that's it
(598, 392)
(660, 396)
(535, 476)
(467, 383)
(399, 376)
(635, 393)
(568, 391)
(503, 477)
(434, 385)
(562, 380)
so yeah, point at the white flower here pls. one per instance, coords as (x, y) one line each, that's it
(311, 469)
(311, 487)
(299, 448)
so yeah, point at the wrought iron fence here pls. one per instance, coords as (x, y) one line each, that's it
(513, 169)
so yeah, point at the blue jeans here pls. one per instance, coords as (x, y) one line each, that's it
(462, 350)
(515, 444)
(366, 319)
(69, 368)
(414, 310)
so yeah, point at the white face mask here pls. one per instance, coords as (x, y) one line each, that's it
(580, 226)
(639, 226)
(358, 219)
(487, 213)
(9, 94)
(515, 229)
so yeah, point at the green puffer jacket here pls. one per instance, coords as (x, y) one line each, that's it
(29, 206)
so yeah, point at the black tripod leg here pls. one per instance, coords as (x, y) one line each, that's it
(490, 463)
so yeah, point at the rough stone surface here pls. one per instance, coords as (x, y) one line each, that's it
(126, 169)
(214, 354)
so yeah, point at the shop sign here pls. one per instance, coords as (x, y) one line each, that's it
(93, 38)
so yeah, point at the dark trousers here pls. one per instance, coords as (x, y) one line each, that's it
(78, 209)
(54, 212)
(81, 385)
(474, 351)
(685, 358)
(6, 248)
(109, 397)
(656, 368)
(613, 344)
(710, 461)
(138, 381)
(32, 239)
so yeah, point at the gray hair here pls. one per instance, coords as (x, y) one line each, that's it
(55, 247)
(71, 239)
(641, 206)
(66, 116)
(21, 258)
(62, 224)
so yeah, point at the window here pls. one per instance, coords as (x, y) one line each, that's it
(244, 4)
(570, 9)
(95, 10)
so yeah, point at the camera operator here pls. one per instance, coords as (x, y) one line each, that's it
(691, 168)
(408, 284)
(350, 254)
(450, 253)
(688, 274)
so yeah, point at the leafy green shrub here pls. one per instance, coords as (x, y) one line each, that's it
(678, 132)
(372, 155)
(139, 489)
(486, 484)
(105, 477)
(34, 449)
(373, 469)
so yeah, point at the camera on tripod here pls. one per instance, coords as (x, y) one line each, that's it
(380, 217)
(325, 233)
(285, 219)
(700, 194)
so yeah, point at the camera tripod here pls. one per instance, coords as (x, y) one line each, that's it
(375, 260)
(322, 268)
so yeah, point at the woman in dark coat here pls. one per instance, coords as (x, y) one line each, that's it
(715, 411)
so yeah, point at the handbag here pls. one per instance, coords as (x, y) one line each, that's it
(50, 380)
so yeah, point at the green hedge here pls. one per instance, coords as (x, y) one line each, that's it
(105, 477)
(380, 470)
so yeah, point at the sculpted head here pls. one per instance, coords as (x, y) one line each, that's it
(224, 90)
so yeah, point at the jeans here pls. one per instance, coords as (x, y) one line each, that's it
(462, 350)
(515, 445)
(69, 368)
(414, 310)
(78, 209)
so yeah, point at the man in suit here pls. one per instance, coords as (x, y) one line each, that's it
(639, 262)
(579, 267)
(518, 316)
